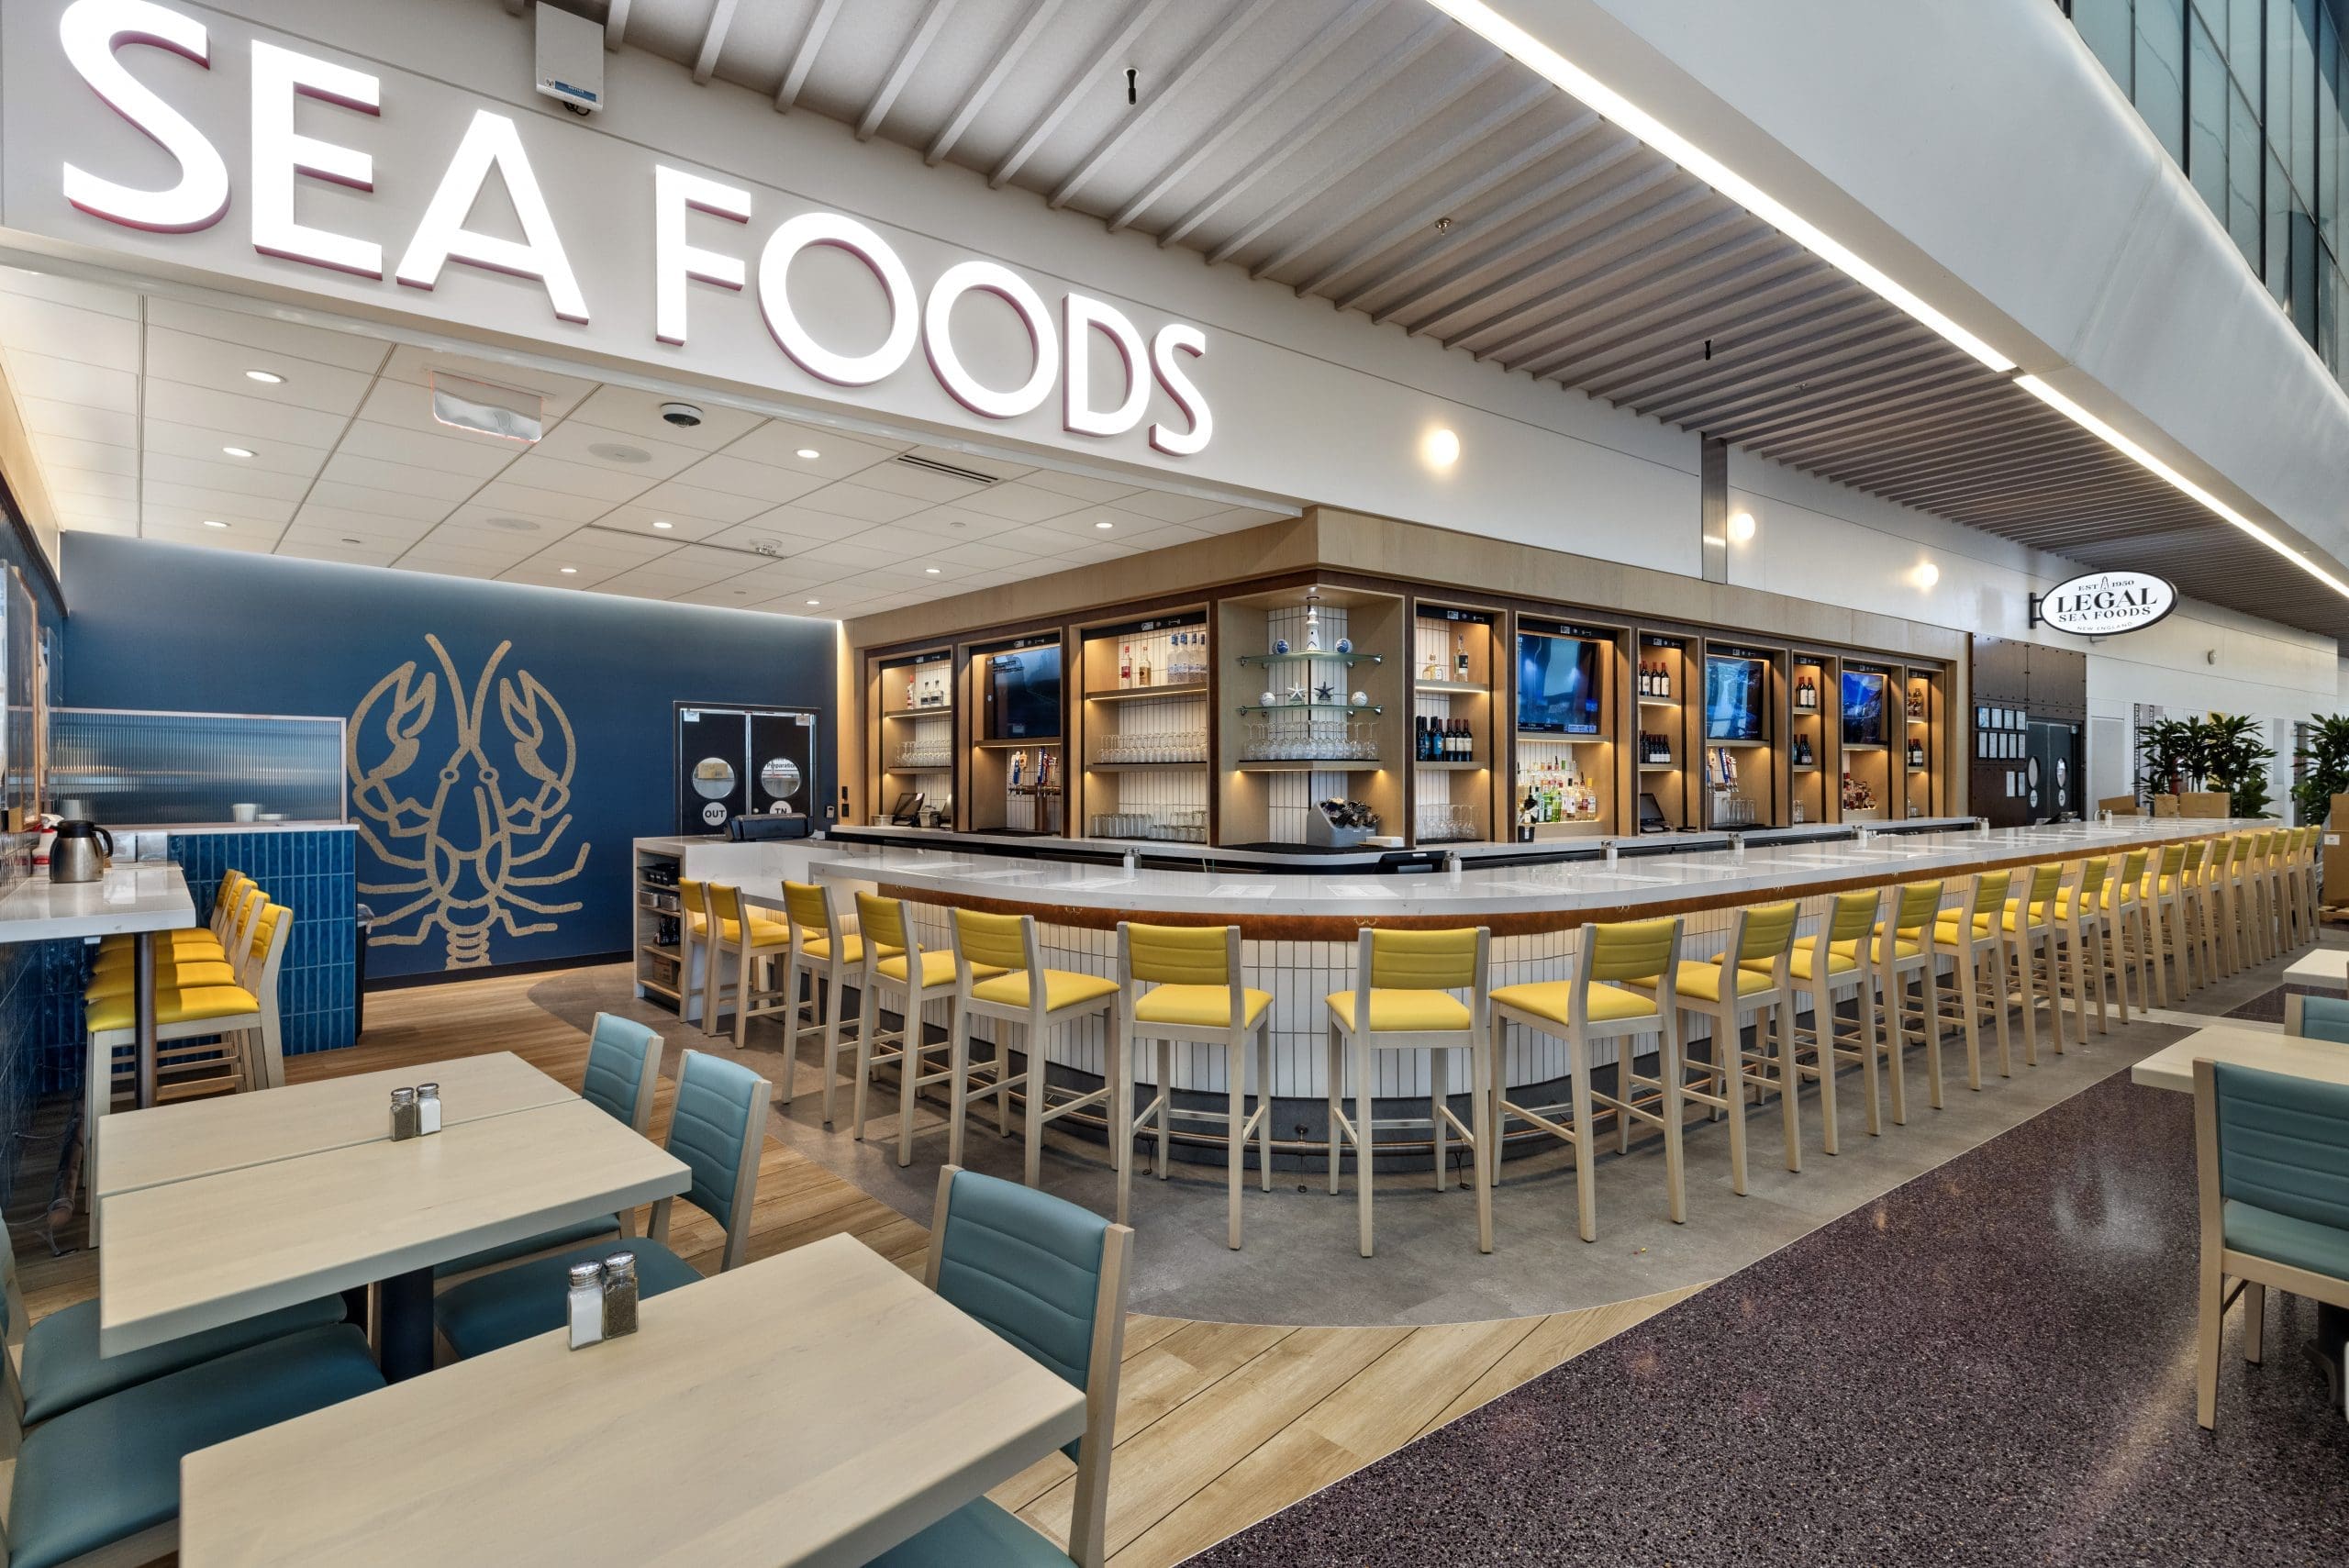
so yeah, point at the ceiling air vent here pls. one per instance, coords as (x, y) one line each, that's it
(931, 465)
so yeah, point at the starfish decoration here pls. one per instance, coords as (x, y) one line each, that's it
(1322, 693)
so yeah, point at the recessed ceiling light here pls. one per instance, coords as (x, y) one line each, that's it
(663, 523)
(932, 569)
(209, 523)
(571, 572)
(810, 454)
(616, 451)
(267, 378)
(238, 451)
(812, 602)
(1105, 524)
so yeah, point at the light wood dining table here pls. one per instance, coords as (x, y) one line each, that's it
(188, 1256)
(2172, 1067)
(201, 1137)
(814, 1407)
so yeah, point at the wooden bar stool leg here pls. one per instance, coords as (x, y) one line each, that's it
(830, 980)
(1728, 1047)
(1365, 1140)
(1578, 1089)
(1480, 1122)
(1439, 1100)
(1822, 1034)
(1235, 1079)
(1896, 1031)
(1038, 1033)
(1933, 1021)
(867, 1015)
(2097, 961)
(2025, 978)
(1997, 957)
(909, 1072)
(1966, 977)
(1165, 1107)
(1782, 1020)
(1264, 1104)
(1336, 1066)
(958, 1078)
(1868, 1057)
(1668, 1064)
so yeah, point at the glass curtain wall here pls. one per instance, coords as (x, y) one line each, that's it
(2247, 96)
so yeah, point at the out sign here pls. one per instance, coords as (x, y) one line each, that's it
(2099, 604)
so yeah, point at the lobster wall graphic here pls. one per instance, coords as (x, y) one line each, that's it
(481, 840)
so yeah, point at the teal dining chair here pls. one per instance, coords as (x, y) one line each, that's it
(2271, 1157)
(100, 1484)
(2325, 1017)
(58, 1366)
(1051, 1279)
(716, 1128)
(623, 1071)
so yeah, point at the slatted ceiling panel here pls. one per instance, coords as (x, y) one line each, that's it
(1317, 142)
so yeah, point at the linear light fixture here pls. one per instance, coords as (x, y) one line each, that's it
(2151, 464)
(1514, 40)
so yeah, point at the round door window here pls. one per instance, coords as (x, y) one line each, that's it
(780, 778)
(713, 779)
(2031, 776)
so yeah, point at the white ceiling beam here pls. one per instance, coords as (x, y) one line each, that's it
(1221, 35)
(803, 59)
(713, 39)
(1351, 161)
(1031, 26)
(1425, 37)
(1260, 100)
(908, 58)
(1139, 14)
(615, 23)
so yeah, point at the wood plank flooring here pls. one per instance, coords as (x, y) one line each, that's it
(1218, 1424)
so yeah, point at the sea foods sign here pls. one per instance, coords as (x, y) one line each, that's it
(2102, 603)
(312, 124)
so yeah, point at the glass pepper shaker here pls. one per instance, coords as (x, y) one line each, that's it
(584, 1306)
(405, 1120)
(619, 1294)
(427, 1108)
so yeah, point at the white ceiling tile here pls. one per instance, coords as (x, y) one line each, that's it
(637, 518)
(252, 539)
(369, 498)
(377, 524)
(736, 476)
(852, 552)
(504, 496)
(267, 335)
(1084, 486)
(477, 457)
(592, 545)
(225, 474)
(77, 522)
(676, 499)
(1086, 554)
(609, 485)
(220, 367)
(779, 442)
(171, 438)
(797, 522)
(548, 573)
(79, 421)
(438, 566)
(955, 526)
(404, 406)
(64, 480)
(249, 421)
(495, 524)
(72, 291)
(637, 415)
(97, 457)
(211, 502)
(1167, 507)
(849, 499)
(1036, 538)
(306, 548)
(923, 484)
(1163, 536)
(71, 381)
(1001, 468)
(645, 459)
(415, 366)
(976, 556)
(98, 508)
(718, 595)
(66, 331)
(1234, 518)
(1022, 503)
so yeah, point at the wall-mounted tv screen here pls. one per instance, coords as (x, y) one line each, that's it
(1863, 717)
(1024, 694)
(1735, 689)
(1557, 685)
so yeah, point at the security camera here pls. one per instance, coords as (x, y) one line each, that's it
(684, 416)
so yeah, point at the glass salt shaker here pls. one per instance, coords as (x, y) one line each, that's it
(619, 1294)
(585, 1308)
(427, 1108)
(405, 1120)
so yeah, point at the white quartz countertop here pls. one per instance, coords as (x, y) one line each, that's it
(1561, 886)
(127, 898)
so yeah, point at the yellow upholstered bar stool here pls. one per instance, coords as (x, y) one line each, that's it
(1969, 936)
(1902, 951)
(223, 964)
(1401, 1001)
(2291, 888)
(2119, 912)
(2250, 897)
(893, 963)
(2165, 926)
(822, 948)
(2211, 906)
(1183, 984)
(749, 938)
(1036, 999)
(1821, 967)
(209, 941)
(2228, 885)
(1750, 980)
(2278, 925)
(2310, 881)
(1598, 1003)
(693, 939)
(2197, 932)
(2028, 923)
(244, 1017)
(2079, 938)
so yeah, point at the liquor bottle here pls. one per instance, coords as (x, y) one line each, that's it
(1464, 747)
(1647, 679)
(1418, 739)
(1459, 657)
(1141, 667)
(1125, 665)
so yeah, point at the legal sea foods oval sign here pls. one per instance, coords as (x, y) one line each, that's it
(2099, 604)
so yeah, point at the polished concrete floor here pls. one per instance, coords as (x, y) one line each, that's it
(1301, 1265)
(1992, 1365)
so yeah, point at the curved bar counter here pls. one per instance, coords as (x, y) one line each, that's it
(1299, 930)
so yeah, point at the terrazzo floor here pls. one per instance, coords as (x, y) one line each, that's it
(1992, 1363)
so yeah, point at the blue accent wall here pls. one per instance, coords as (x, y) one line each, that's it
(567, 751)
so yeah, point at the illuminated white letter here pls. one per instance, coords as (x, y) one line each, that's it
(91, 30)
(279, 153)
(1182, 389)
(1082, 318)
(490, 141)
(795, 234)
(938, 335)
(675, 193)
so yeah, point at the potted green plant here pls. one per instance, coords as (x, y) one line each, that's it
(2324, 766)
(2235, 759)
